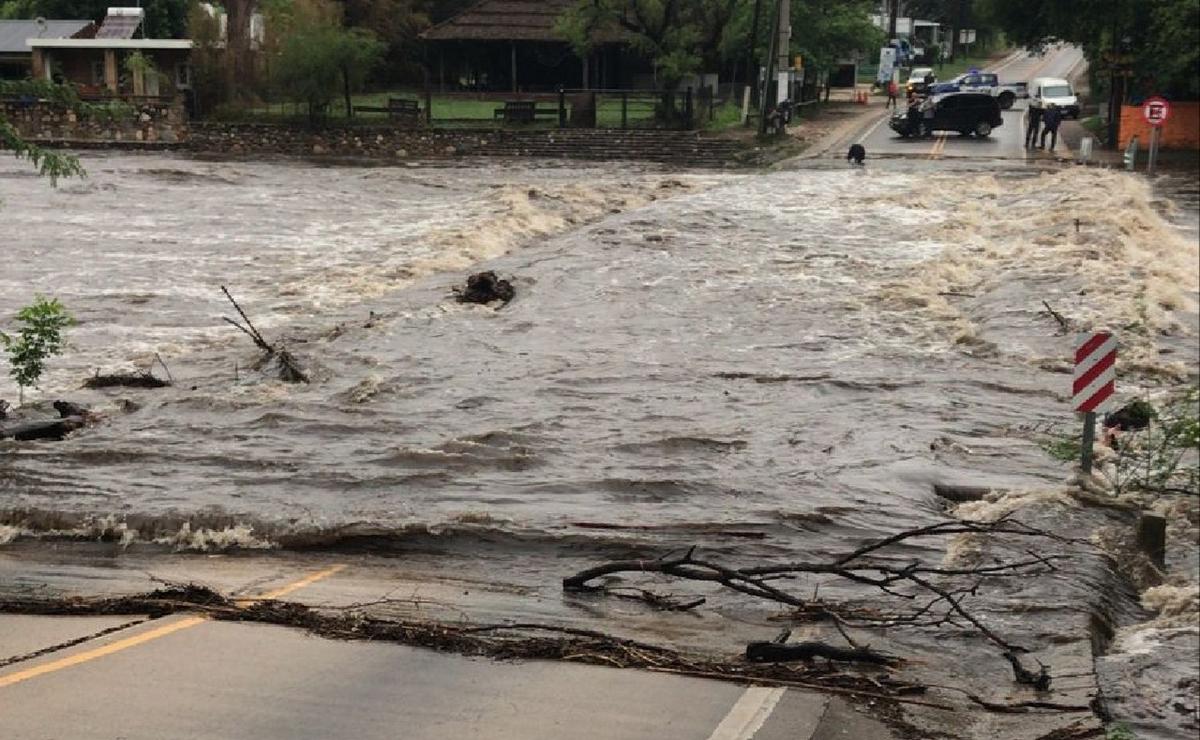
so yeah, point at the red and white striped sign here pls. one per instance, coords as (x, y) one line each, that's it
(1095, 371)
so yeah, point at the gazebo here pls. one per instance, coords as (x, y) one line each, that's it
(514, 45)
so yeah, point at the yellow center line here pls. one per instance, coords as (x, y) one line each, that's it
(154, 634)
(297, 585)
(100, 652)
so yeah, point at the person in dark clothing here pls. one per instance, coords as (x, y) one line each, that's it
(1031, 131)
(914, 117)
(1050, 120)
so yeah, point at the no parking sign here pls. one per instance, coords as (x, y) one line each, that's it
(1156, 111)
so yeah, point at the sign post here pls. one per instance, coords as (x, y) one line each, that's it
(1095, 382)
(1156, 111)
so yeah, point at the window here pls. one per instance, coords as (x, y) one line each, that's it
(183, 75)
(1057, 91)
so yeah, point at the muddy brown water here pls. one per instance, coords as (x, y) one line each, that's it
(750, 361)
(766, 365)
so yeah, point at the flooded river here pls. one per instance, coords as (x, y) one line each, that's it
(748, 361)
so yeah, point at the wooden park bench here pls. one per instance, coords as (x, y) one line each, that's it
(398, 109)
(523, 111)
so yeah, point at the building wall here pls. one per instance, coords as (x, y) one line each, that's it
(76, 66)
(1181, 131)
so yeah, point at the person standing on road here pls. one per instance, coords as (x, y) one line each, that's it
(1050, 120)
(893, 90)
(927, 111)
(1035, 123)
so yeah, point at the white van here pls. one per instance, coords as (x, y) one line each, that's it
(1046, 90)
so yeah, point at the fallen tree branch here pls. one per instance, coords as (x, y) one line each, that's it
(289, 369)
(140, 379)
(901, 580)
(774, 652)
(1063, 323)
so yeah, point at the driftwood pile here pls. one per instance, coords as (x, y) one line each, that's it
(924, 586)
(71, 417)
(138, 379)
(485, 287)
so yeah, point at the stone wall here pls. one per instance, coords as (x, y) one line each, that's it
(154, 123)
(375, 142)
(165, 126)
(383, 142)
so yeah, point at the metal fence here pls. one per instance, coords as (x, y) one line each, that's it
(606, 109)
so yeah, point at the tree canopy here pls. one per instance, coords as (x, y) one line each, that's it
(1158, 39)
(318, 57)
(824, 31)
(679, 37)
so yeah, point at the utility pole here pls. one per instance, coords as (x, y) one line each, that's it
(893, 11)
(750, 67)
(785, 36)
(784, 62)
(764, 101)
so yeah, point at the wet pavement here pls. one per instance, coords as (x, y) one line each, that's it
(1007, 141)
(188, 677)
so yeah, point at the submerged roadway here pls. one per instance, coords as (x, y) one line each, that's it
(186, 676)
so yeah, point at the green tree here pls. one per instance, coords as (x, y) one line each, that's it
(39, 338)
(1160, 39)
(396, 23)
(824, 31)
(317, 57)
(679, 37)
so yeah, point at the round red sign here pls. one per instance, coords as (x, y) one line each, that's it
(1156, 111)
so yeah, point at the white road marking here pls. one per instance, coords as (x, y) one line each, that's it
(748, 714)
(1019, 54)
(871, 130)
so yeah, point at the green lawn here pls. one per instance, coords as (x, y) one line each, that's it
(455, 110)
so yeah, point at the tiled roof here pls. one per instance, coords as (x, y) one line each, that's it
(503, 20)
(13, 34)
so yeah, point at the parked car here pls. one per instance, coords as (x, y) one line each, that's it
(983, 82)
(916, 79)
(973, 81)
(966, 113)
(1007, 94)
(1046, 90)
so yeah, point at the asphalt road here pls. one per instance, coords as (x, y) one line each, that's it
(188, 677)
(1006, 141)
